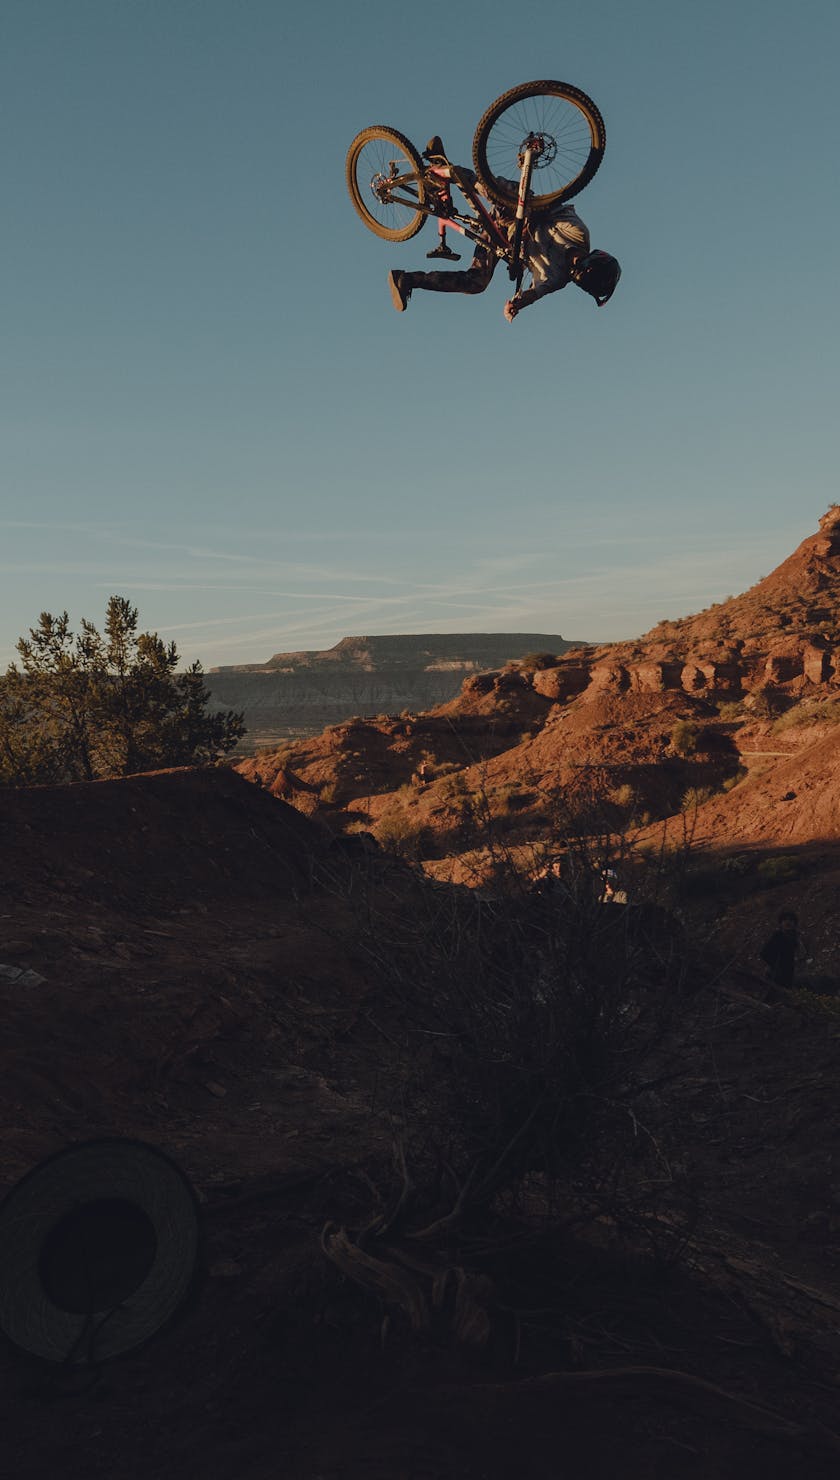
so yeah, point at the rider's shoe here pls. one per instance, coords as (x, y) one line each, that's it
(399, 294)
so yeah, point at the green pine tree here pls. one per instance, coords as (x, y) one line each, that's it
(87, 705)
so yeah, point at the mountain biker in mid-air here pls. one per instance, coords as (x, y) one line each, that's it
(556, 251)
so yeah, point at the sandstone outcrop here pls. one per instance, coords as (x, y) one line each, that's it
(805, 664)
(782, 634)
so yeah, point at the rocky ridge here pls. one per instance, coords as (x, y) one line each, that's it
(687, 710)
(781, 634)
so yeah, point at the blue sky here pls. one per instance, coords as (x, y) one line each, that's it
(208, 404)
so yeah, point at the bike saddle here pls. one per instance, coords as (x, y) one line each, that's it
(444, 251)
(434, 149)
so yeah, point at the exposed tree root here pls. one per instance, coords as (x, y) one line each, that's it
(424, 1288)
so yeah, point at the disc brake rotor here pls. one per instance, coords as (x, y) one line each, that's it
(543, 150)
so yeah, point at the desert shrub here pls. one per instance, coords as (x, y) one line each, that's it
(512, 797)
(455, 789)
(781, 870)
(521, 1060)
(766, 703)
(640, 819)
(435, 770)
(400, 834)
(538, 660)
(735, 779)
(732, 709)
(547, 1006)
(685, 737)
(825, 712)
(695, 796)
(624, 796)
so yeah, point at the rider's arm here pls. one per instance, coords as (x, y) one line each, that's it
(530, 295)
(555, 243)
(550, 284)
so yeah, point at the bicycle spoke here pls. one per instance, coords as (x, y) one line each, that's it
(375, 167)
(563, 129)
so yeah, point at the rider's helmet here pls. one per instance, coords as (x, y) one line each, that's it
(598, 274)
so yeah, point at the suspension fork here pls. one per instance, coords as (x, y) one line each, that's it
(517, 267)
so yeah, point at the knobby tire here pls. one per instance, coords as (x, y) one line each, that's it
(583, 156)
(362, 195)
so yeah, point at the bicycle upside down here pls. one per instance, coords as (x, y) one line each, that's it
(554, 135)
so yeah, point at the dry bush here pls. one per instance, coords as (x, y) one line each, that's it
(825, 712)
(695, 796)
(530, 1020)
(685, 737)
(400, 833)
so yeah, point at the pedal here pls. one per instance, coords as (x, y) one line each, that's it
(446, 252)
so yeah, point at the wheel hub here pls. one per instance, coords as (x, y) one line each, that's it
(543, 149)
(380, 186)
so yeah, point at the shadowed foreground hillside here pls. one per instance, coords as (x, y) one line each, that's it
(485, 1180)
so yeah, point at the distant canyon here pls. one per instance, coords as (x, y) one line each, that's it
(300, 693)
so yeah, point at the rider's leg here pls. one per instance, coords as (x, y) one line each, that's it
(473, 280)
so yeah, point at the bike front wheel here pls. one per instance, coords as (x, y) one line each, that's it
(570, 139)
(385, 177)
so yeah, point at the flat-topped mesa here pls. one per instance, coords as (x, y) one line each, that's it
(367, 675)
(421, 651)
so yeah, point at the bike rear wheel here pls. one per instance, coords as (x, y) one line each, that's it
(570, 131)
(376, 157)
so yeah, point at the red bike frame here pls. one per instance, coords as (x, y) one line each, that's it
(497, 238)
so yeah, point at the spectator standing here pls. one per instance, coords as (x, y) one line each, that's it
(782, 950)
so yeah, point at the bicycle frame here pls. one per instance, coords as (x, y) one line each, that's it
(489, 234)
(481, 227)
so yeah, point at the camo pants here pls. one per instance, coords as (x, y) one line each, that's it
(473, 279)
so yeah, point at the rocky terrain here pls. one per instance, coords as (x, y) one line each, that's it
(487, 1175)
(716, 715)
(300, 693)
